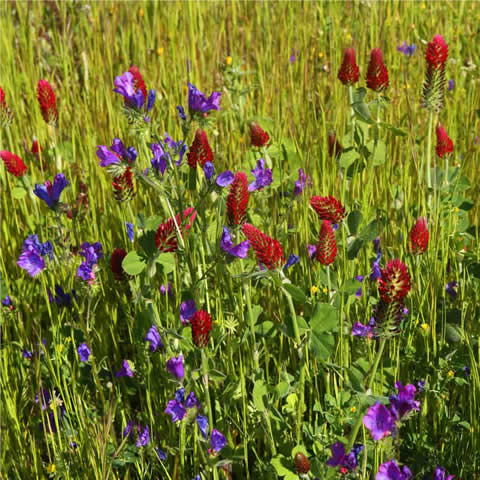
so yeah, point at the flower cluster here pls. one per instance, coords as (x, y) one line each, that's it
(434, 84)
(50, 193)
(33, 255)
(340, 458)
(13, 163)
(92, 254)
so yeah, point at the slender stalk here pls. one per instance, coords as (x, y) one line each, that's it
(246, 289)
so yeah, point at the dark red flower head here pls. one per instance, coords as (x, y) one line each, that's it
(444, 143)
(116, 263)
(437, 52)
(302, 464)
(36, 148)
(327, 245)
(434, 84)
(348, 73)
(123, 187)
(419, 236)
(334, 146)
(166, 236)
(200, 151)
(13, 163)
(258, 136)
(138, 82)
(47, 101)
(3, 103)
(201, 323)
(377, 73)
(5, 113)
(328, 208)
(394, 282)
(267, 250)
(237, 200)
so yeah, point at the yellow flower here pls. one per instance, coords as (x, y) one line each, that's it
(228, 60)
(348, 37)
(313, 290)
(456, 209)
(320, 55)
(51, 468)
(425, 327)
(59, 348)
(353, 409)
(325, 290)
(423, 6)
(141, 13)
(451, 373)
(185, 88)
(160, 51)
(68, 339)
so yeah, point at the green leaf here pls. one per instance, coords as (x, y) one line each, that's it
(353, 221)
(167, 261)
(265, 329)
(379, 152)
(281, 465)
(453, 333)
(360, 107)
(295, 292)
(152, 223)
(147, 242)
(394, 130)
(354, 248)
(18, 193)
(324, 318)
(259, 391)
(348, 157)
(133, 263)
(370, 232)
(322, 345)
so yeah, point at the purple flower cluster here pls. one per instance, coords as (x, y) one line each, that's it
(187, 310)
(49, 193)
(126, 370)
(143, 434)
(61, 298)
(125, 86)
(83, 352)
(33, 253)
(154, 338)
(407, 50)
(302, 183)
(226, 244)
(175, 366)
(164, 153)
(341, 459)
(391, 471)
(263, 176)
(92, 254)
(198, 102)
(116, 153)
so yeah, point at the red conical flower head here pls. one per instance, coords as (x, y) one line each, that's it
(47, 101)
(123, 187)
(444, 143)
(302, 464)
(3, 103)
(327, 245)
(13, 163)
(377, 73)
(267, 250)
(419, 236)
(328, 208)
(258, 136)
(348, 73)
(200, 151)
(394, 282)
(434, 84)
(138, 83)
(334, 146)
(237, 200)
(166, 236)
(116, 263)
(5, 113)
(437, 52)
(201, 323)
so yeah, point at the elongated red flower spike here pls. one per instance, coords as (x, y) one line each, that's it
(200, 151)
(327, 245)
(36, 148)
(47, 101)
(5, 113)
(3, 103)
(166, 236)
(377, 73)
(348, 73)
(334, 146)
(123, 187)
(237, 200)
(13, 163)
(434, 84)
(394, 282)
(267, 250)
(302, 464)
(258, 136)
(419, 236)
(116, 263)
(444, 145)
(138, 82)
(328, 208)
(201, 323)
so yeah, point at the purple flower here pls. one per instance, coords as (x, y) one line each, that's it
(361, 330)
(62, 299)
(391, 471)
(6, 301)
(451, 84)
(379, 421)
(376, 245)
(181, 112)
(85, 272)
(312, 249)
(407, 50)
(226, 244)
(198, 102)
(116, 153)
(83, 352)
(91, 252)
(263, 176)
(202, 423)
(180, 395)
(225, 179)
(420, 385)
(51, 193)
(177, 148)
(403, 402)
(143, 437)
(27, 354)
(217, 440)
(125, 371)
(152, 95)
(192, 401)
(209, 170)
(339, 457)
(176, 410)
(106, 156)
(175, 366)
(130, 233)
(154, 338)
(124, 85)
(166, 289)
(187, 310)
(376, 273)
(440, 474)
(161, 454)
(302, 182)
(160, 157)
(451, 289)
(128, 429)
(466, 371)
(292, 56)
(292, 260)
(32, 262)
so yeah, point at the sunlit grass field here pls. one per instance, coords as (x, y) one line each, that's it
(268, 393)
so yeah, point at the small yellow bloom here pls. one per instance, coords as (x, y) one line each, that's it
(348, 37)
(353, 409)
(241, 139)
(423, 6)
(68, 339)
(425, 327)
(160, 51)
(185, 88)
(51, 468)
(443, 396)
(313, 290)
(320, 55)
(59, 348)
(451, 373)
(141, 12)
(228, 60)
(456, 209)
(325, 290)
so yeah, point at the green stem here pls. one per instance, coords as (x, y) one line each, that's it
(429, 150)
(246, 289)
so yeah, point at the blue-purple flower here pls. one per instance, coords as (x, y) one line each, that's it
(116, 153)
(302, 183)
(166, 289)
(226, 244)
(198, 102)
(83, 352)
(62, 298)
(143, 436)
(209, 170)
(451, 289)
(375, 273)
(176, 410)
(225, 179)
(92, 254)
(130, 231)
(292, 260)
(175, 366)
(407, 50)
(161, 454)
(160, 158)
(391, 471)
(440, 474)
(181, 113)
(7, 302)
(451, 84)
(124, 85)
(154, 338)
(292, 56)
(379, 421)
(49, 193)
(202, 423)
(128, 429)
(360, 330)
(33, 253)
(187, 310)
(339, 457)
(263, 176)
(126, 370)
(217, 440)
(404, 401)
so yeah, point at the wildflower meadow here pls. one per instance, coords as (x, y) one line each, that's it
(240, 240)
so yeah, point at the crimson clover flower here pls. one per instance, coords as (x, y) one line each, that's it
(33, 253)
(348, 73)
(175, 366)
(198, 102)
(379, 421)
(116, 153)
(13, 163)
(263, 176)
(201, 323)
(166, 236)
(328, 208)
(327, 245)
(226, 244)
(258, 136)
(154, 338)
(237, 200)
(83, 352)
(391, 471)
(47, 101)
(377, 73)
(340, 458)
(268, 251)
(444, 146)
(394, 282)
(49, 193)
(200, 152)
(419, 236)
(126, 370)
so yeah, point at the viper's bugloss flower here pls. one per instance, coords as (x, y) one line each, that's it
(160, 158)
(302, 183)
(143, 436)
(340, 458)
(377, 73)
(201, 323)
(394, 282)
(130, 231)
(200, 152)
(116, 260)
(441, 474)
(176, 410)
(237, 200)
(379, 421)
(291, 260)
(161, 454)
(327, 245)
(433, 86)
(263, 176)
(217, 440)
(404, 401)
(83, 352)
(154, 338)
(391, 471)
(116, 154)
(32, 255)
(166, 289)
(444, 144)
(451, 84)
(209, 170)
(328, 208)
(49, 193)
(225, 179)
(192, 401)
(376, 245)
(376, 271)
(451, 289)
(466, 370)
(62, 299)
(258, 136)
(175, 366)
(13, 163)
(47, 101)
(360, 330)
(187, 310)
(166, 236)
(152, 95)
(126, 370)
(7, 302)
(292, 56)
(226, 244)
(267, 250)
(407, 50)
(125, 86)
(198, 102)
(92, 254)
(419, 236)
(348, 73)
(202, 423)
(128, 429)
(312, 250)
(181, 113)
